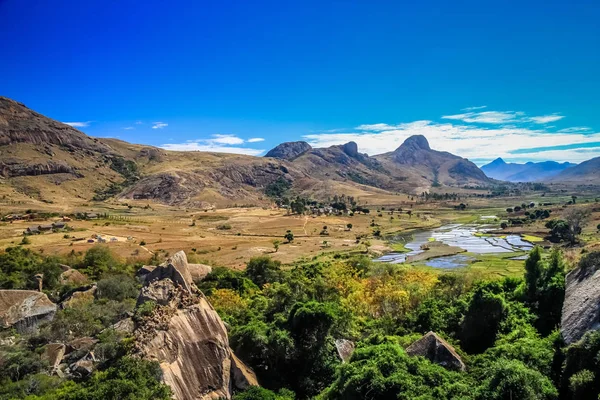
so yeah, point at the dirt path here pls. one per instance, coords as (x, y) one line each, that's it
(304, 226)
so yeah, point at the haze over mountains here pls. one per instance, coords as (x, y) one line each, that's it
(528, 172)
(52, 162)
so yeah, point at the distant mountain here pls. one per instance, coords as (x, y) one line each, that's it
(586, 172)
(47, 161)
(412, 168)
(528, 172)
(416, 158)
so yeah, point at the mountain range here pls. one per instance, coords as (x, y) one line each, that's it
(528, 172)
(45, 160)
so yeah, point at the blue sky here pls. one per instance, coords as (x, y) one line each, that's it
(482, 79)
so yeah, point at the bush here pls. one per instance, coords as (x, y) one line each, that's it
(513, 380)
(224, 227)
(117, 287)
(263, 270)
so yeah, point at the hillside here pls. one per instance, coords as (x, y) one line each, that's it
(419, 163)
(528, 172)
(44, 160)
(586, 172)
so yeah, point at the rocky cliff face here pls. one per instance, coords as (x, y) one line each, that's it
(19, 124)
(289, 150)
(187, 338)
(581, 308)
(25, 310)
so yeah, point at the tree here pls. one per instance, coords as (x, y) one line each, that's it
(289, 236)
(276, 244)
(367, 244)
(385, 371)
(99, 260)
(533, 273)
(511, 380)
(263, 270)
(481, 323)
(575, 218)
(25, 241)
(349, 226)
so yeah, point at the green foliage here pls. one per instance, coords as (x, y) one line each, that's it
(262, 270)
(258, 393)
(278, 188)
(86, 319)
(580, 379)
(117, 287)
(227, 278)
(129, 379)
(18, 266)
(99, 260)
(481, 324)
(511, 379)
(385, 371)
(289, 236)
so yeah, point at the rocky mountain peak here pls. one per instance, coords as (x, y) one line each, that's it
(415, 142)
(351, 149)
(289, 150)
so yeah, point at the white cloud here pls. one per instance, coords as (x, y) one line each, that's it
(374, 127)
(473, 142)
(255, 140)
(138, 122)
(576, 129)
(78, 124)
(217, 143)
(474, 108)
(159, 125)
(487, 117)
(544, 119)
(195, 146)
(225, 139)
(128, 128)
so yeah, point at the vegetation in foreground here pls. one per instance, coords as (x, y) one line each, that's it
(285, 319)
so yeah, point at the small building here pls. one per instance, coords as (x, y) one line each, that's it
(90, 241)
(59, 225)
(91, 216)
(33, 230)
(66, 219)
(45, 227)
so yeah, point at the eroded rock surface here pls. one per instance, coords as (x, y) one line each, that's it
(25, 310)
(186, 336)
(436, 350)
(581, 308)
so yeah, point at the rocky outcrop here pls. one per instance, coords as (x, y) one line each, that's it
(19, 124)
(289, 150)
(185, 335)
(84, 294)
(436, 350)
(174, 269)
(25, 310)
(345, 348)
(581, 308)
(71, 276)
(53, 354)
(199, 271)
(11, 169)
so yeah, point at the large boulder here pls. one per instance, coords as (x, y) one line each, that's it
(436, 350)
(581, 308)
(80, 295)
(188, 339)
(175, 269)
(25, 310)
(199, 271)
(53, 354)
